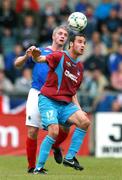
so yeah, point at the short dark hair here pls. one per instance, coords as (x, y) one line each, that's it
(73, 35)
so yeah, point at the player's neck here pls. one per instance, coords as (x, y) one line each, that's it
(72, 54)
(55, 47)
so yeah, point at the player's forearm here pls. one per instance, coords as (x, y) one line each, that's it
(75, 101)
(20, 61)
(40, 59)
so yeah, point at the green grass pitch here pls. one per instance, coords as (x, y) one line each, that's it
(14, 168)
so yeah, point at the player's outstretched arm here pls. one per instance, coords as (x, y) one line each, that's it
(36, 54)
(20, 61)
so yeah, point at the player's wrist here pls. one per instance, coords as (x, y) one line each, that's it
(37, 59)
(26, 56)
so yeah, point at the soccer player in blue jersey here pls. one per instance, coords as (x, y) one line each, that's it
(58, 103)
(39, 74)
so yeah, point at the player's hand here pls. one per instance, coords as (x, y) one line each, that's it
(29, 51)
(36, 53)
(84, 114)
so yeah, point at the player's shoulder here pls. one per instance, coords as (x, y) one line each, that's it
(45, 50)
(58, 53)
(65, 52)
(80, 64)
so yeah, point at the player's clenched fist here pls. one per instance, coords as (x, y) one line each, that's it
(29, 51)
(36, 53)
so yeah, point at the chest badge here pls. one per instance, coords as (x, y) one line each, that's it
(68, 64)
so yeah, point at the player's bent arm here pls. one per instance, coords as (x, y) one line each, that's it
(20, 61)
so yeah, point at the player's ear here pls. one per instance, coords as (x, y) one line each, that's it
(53, 36)
(71, 44)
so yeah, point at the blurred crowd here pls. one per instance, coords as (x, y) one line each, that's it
(24, 23)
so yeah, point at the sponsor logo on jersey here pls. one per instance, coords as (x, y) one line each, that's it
(71, 76)
(78, 73)
(68, 64)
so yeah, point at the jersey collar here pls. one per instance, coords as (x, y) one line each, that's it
(74, 61)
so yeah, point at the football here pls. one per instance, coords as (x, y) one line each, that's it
(77, 21)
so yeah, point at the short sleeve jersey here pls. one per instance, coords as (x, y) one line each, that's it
(40, 70)
(64, 77)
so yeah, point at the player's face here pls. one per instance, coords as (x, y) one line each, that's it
(60, 37)
(79, 45)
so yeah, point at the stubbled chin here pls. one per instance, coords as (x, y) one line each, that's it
(61, 44)
(81, 53)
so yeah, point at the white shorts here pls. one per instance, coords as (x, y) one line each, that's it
(32, 110)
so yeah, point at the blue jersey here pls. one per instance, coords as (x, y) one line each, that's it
(40, 70)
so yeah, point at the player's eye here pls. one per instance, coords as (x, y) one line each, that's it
(66, 35)
(82, 42)
(60, 33)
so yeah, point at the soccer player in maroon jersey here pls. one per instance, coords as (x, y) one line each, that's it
(39, 74)
(58, 103)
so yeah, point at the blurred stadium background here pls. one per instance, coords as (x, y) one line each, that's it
(31, 22)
